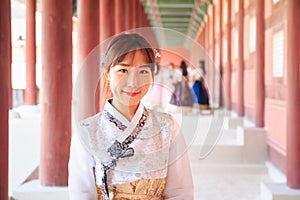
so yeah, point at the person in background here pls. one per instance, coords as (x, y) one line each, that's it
(200, 90)
(183, 67)
(182, 96)
(201, 95)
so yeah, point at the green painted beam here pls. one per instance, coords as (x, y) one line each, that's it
(175, 15)
(175, 10)
(175, 1)
(183, 16)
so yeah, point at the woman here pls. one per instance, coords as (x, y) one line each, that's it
(182, 96)
(200, 92)
(128, 151)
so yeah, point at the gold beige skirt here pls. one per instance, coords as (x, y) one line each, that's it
(149, 189)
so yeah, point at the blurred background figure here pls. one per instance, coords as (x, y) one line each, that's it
(182, 98)
(200, 93)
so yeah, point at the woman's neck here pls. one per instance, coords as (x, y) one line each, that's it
(127, 111)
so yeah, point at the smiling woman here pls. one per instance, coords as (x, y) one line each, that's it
(129, 80)
(128, 151)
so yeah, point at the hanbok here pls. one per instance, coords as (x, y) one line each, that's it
(154, 96)
(158, 168)
(200, 93)
(182, 99)
(182, 95)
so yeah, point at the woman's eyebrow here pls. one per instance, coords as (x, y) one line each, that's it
(128, 65)
(124, 64)
(145, 65)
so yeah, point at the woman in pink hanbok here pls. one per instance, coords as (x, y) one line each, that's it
(128, 151)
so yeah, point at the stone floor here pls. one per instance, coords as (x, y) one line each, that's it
(212, 181)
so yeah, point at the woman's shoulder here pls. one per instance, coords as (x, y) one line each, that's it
(161, 116)
(164, 123)
(87, 122)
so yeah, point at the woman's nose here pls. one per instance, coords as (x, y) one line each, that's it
(132, 78)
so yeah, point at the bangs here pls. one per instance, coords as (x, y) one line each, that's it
(131, 54)
(125, 44)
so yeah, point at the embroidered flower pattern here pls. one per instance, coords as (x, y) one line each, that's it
(112, 119)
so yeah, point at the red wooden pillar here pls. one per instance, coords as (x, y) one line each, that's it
(213, 51)
(146, 22)
(127, 14)
(10, 96)
(260, 64)
(229, 63)
(31, 89)
(293, 94)
(107, 29)
(204, 32)
(206, 42)
(56, 91)
(221, 54)
(88, 27)
(140, 14)
(143, 18)
(240, 68)
(208, 51)
(200, 39)
(207, 48)
(88, 73)
(107, 16)
(138, 11)
(134, 16)
(5, 87)
(119, 16)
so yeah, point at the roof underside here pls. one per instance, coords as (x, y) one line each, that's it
(182, 16)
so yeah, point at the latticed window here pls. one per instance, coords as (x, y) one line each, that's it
(252, 34)
(236, 6)
(235, 41)
(278, 54)
(225, 12)
(225, 59)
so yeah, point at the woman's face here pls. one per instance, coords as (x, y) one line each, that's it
(130, 80)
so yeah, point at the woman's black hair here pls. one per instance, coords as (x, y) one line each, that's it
(123, 44)
(183, 68)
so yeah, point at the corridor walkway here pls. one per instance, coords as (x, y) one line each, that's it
(217, 179)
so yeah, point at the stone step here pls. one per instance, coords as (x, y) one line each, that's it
(32, 190)
(250, 148)
(228, 169)
(231, 137)
(278, 191)
(24, 147)
(231, 120)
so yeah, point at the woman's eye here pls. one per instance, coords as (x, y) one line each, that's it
(123, 70)
(144, 71)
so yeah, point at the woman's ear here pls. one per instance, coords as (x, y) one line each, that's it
(106, 76)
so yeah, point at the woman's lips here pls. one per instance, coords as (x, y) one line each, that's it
(132, 94)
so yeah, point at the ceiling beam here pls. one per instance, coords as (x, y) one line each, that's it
(176, 24)
(175, 5)
(175, 19)
(175, 13)
(187, 17)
